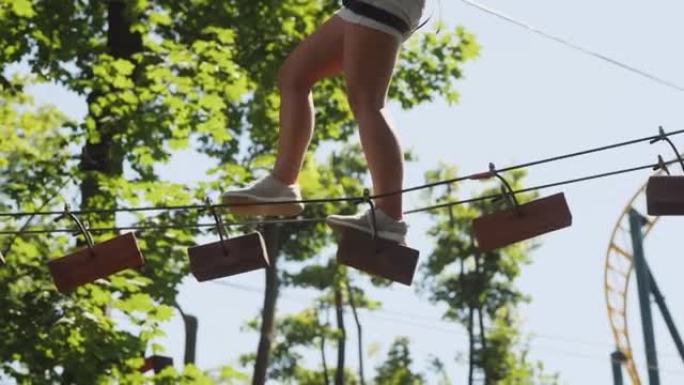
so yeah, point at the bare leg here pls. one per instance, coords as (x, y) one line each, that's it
(369, 59)
(318, 56)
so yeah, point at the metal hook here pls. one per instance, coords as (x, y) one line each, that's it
(506, 190)
(81, 228)
(220, 228)
(367, 199)
(661, 166)
(663, 136)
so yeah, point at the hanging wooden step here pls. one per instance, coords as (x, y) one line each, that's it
(523, 222)
(228, 257)
(379, 257)
(665, 195)
(94, 262)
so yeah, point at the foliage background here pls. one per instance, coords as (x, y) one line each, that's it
(520, 73)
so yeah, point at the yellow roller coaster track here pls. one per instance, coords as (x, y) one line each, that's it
(618, 270)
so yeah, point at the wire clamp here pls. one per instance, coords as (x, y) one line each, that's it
(663, 136)
(507, 191)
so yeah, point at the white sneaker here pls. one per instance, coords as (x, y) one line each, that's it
(387, 227)
(267, 189)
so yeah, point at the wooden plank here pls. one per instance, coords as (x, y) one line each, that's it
(379, 257)
(665, 195)
(244, 253)
(107, 258)
(530, 220)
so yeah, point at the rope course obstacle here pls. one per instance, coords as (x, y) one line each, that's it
(367, 253)
(375, 255)
(227, 256)
(95, 261)
(520, 222)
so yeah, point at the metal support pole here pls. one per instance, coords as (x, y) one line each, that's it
(616, 360)
(660, 300)
(636, 222)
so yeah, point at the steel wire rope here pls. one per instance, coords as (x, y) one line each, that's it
(166, 227)
(318, 220)
(536, 188)
(351, 199)
(567, 43)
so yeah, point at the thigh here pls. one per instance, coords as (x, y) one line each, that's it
(369, 59)
(319, 55)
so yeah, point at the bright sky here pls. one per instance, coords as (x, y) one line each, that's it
(525, 98)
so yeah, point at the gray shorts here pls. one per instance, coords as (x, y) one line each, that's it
(410, 11)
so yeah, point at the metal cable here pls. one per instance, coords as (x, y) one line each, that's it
(359, 199)
(535, 188)
(574, 46)
(164, 227)
(320, 220)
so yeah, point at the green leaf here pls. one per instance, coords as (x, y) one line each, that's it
(22, 8)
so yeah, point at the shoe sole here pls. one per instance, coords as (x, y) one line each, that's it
(338, 225)
(271, 210)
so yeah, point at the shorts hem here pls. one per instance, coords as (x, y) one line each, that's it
(352, 17)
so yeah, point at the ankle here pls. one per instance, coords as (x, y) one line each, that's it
(394, 213)
(283, 178)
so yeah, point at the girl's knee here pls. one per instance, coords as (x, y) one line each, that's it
(292, 79)
(364, 103)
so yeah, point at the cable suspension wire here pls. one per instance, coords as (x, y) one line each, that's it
(320, 220)
(536, 188)
(574, 46)
(349, 199)
(165, 227)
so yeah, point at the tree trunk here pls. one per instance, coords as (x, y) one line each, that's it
(325, 361)
(359, 330)
(342, 339)
(483, 344)
(483, 333)
(103, 157)
(271, 235)
(323, 356)
(470, 318)
(471, 347)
